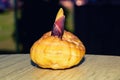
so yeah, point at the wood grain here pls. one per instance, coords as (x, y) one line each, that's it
(94, 67)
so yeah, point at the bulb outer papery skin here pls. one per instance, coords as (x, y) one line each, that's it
(55, 53)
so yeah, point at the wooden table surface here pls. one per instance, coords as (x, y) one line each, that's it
(94, 67)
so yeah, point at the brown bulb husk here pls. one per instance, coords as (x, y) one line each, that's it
(57, 53)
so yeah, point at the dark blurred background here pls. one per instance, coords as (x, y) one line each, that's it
(99, 28)
(37, 17)
(96, 24)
